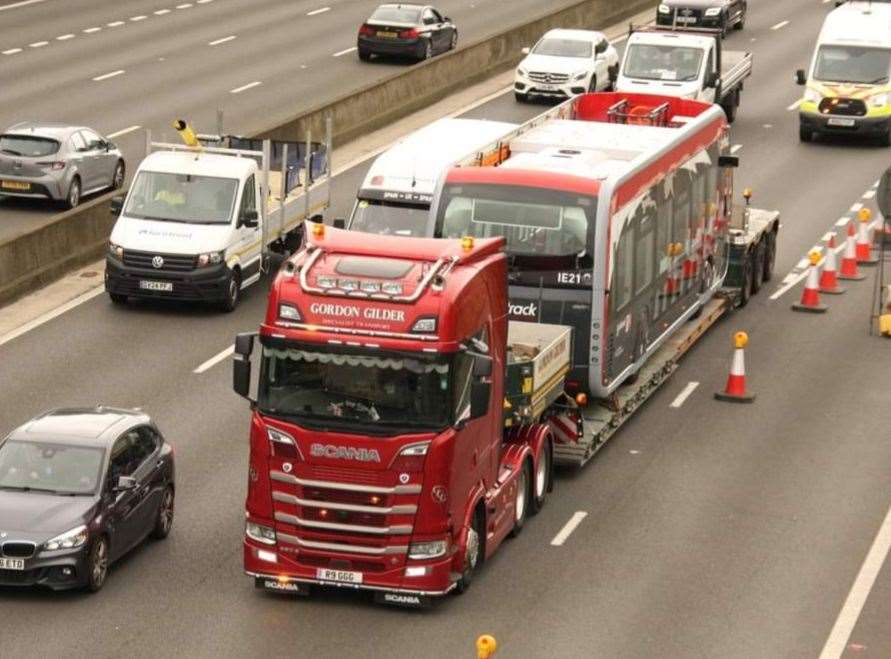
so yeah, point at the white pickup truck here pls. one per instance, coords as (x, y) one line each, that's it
(689, 63)
(200, 222)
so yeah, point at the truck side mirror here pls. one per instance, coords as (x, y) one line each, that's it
(482, 366)
(800, 77)
(116, 206)
(339, 223)
(241, 365)
(250, 219)
(728, 161)
(479, 398)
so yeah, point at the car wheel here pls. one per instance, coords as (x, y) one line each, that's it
(741, 23)
(454, 42)
(120, 173)
(613, 76)
(805, 134)
(72, 199)
(364, 55)
(97, 564)
(521, 503)
(520, 97)
(117, 299)
(724, 28)
(233, 292)
(427, 52)
(474, 552)
(543, 475)
(593, 86)
(164, 520)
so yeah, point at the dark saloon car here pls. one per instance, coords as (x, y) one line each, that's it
(715, 14)
(415, 31)
(79, 488)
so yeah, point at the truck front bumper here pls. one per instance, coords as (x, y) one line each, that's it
(845, 125)
(208, 284)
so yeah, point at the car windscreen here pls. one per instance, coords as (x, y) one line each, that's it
(535, 222)
(50, 467)
(669, 63)
(563, 48)
(28, 146)
(181, 198)
(387, 218)
(366, 391)
(853, 64)
(406, 15)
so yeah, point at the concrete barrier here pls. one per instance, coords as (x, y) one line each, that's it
(80, 236)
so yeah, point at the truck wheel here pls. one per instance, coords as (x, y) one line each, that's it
(474, 552)
(233, 292)
(758, 267)
(805, 134)
(745, 290)
(770, 255)
(543, 475)
(521, 503)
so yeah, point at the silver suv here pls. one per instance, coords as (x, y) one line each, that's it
(58, 162)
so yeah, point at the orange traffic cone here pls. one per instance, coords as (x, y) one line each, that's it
(735, 391)
(864, 244)
(829, 276)
(849, 269)
(810, 296)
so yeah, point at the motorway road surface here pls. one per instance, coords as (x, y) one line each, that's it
(117, 66)
(712, 530)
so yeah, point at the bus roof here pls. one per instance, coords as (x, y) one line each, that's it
(858, 23)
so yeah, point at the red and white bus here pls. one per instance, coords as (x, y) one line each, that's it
(615, 208)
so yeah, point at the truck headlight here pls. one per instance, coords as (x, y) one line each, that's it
(811, 96)
(879, 100)
(579, 75)
(260, 533)
(419, 551)
(211, 258)
(713, 11)
(69, 540)
(115, 250)
(664, 9)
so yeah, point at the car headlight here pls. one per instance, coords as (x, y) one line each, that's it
(423, 550)
(260, 533)
(811, 96)
(879, 100)
(115, 250)
(664, 9)
(211, 258)
(522, 72)
(579, 75)
(713, 11)
(69, 540)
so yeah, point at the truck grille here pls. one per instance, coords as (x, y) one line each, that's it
(849, 107)
(18, 549)
(548, 78)
(169, 262)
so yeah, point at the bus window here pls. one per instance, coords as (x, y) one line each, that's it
(623, 269)
(645, 250)
(664, 213)
(680, 225)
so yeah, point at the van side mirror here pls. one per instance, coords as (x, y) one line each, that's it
(711, 79)
(249, 218)
(116, 206)
(125, 484)
(800, 77)
(339, 223)
(526, 50)
(241, 365)
(479, 398)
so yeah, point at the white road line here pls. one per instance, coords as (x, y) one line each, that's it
(216, 359)
(856, 207)
(23, 3)
(568, 528)
(684, 395)
(106, 76)
(250, 85)
(780, 25)
(136, 19)
(92, 30)
(842, 222)
(204, 2)
(735, 148)
(869, 194)
(123, 131)
(223, 40)
(792, 280)
(794, 106)
(344, 52)
(802, 264)
(55, 313)
(316, 12)
(866, 578)
(65, 37)
(12, 51)
(161, 12)
(827, 236)
(38, 44)
(115, 24)
(185, 5)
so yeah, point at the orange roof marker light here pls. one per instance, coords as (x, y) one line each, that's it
(318, 230)
(467, 243)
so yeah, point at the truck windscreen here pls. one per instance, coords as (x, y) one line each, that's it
(535, 222)
(181, 198)
(853, 64)
(671, 63)
(373, 392)
(384, 217)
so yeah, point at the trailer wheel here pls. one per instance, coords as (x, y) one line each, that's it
(524, 496)
(730, 106)
(745, 290)
(474, 552)
(770, 255)
(758, 268)
(543, 478)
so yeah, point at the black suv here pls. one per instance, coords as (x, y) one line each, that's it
(714, 14)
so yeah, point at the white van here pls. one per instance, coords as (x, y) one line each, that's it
(847, 88)
(396, 194)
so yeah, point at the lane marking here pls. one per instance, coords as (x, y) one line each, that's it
(115, 24)
(216, 359)
(863, 584)
(185, 5)
(684, 395)
(91, 30)
(735, 148)
(316, 12)
(869, 194)
(38, 44)
(65, 37)
(23, 3)
(780, 25)
(161, 12)
(12, 51)
(106, 76)
(842, 222)
(45, 318)
(204, 2)
(344, 52)
(794, 106)
(223, 40)
(136, 19)
(123, 131)
(568, 528)
(856, 207)
(250, 85)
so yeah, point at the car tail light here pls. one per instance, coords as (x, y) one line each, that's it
(410, 458)
(56, 165)
(366, 30)
(409, 34)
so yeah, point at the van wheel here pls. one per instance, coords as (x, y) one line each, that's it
(543, 475)
(233, 292)
(805, 134)
(474, 552)
(521, 503)
(520, 98)
(730, 105)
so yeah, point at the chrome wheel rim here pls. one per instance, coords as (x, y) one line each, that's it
(167, 512)
(118, 177)
(473, 548)
(520, 510)
(541, 474)
(100, 562)
(233, 292)
(74, 194)
(428, 52)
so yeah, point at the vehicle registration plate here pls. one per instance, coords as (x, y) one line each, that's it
(15, 185)
(340, 576)
(836, 121)
(164, 286)
(388, 35)
(547, 88)
(12, 564)
(686, 19)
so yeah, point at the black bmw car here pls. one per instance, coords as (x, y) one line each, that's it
(415, 31)
(79, 488)
(714, 14)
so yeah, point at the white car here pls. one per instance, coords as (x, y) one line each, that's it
(565, 63)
